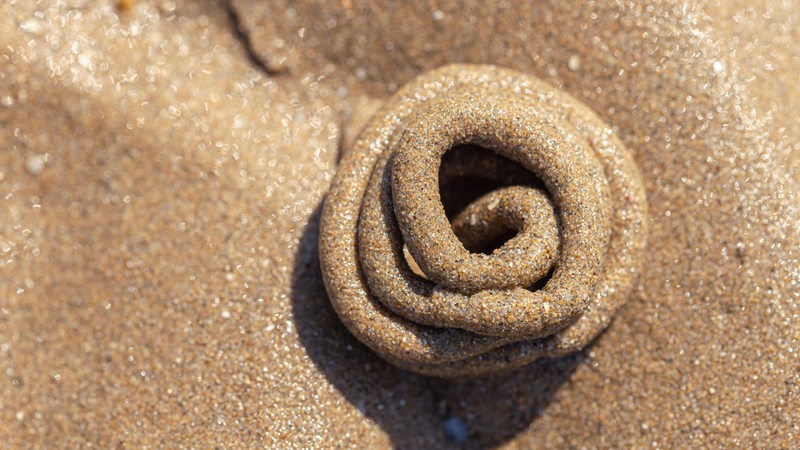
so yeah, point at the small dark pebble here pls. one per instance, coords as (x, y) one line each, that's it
(455, 430)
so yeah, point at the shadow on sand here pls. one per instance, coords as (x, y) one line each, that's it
(416, 411)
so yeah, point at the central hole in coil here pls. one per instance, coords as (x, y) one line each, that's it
(467, 173)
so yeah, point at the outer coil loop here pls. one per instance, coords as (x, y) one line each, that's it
(573, 196)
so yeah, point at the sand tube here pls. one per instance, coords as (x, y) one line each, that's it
(579, 220)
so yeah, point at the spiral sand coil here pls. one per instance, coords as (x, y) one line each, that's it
(564, 186)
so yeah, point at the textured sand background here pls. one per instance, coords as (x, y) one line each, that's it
(160, 183)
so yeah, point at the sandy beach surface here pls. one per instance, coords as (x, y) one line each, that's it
(162, 172)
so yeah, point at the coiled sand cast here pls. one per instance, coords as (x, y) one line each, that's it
(563, 184)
